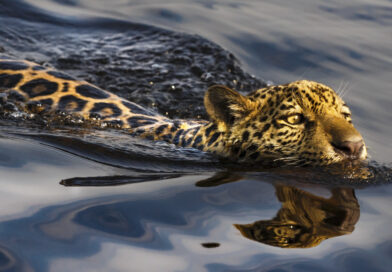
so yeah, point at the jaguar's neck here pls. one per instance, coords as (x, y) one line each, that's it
(202, 135)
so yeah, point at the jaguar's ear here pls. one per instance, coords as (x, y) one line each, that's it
(226, 105)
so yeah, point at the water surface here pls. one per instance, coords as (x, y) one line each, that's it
(87, 199)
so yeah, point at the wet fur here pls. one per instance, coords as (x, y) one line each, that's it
(242, 128)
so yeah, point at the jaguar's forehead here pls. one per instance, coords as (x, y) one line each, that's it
(299, 94)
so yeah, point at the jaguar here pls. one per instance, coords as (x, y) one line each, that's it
(300, 123)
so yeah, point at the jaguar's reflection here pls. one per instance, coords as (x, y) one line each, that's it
(305, 220)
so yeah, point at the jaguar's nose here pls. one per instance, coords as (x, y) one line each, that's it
(351, 149)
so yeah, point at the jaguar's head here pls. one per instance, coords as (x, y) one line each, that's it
(300, 123)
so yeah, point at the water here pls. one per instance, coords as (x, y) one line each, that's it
(80, 198)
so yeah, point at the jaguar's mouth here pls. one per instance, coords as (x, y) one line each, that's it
(345, 156)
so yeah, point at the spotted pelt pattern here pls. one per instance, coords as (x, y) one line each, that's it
(301, 123)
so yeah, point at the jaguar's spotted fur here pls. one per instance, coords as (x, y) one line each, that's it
(300, 123)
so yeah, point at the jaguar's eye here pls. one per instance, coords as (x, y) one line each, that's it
(346, 115)
(295, 119)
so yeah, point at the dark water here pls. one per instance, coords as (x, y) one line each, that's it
(76, 198)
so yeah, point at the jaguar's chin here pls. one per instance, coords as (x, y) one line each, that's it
(347, 166)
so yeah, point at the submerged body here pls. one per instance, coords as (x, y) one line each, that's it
(300, 123)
